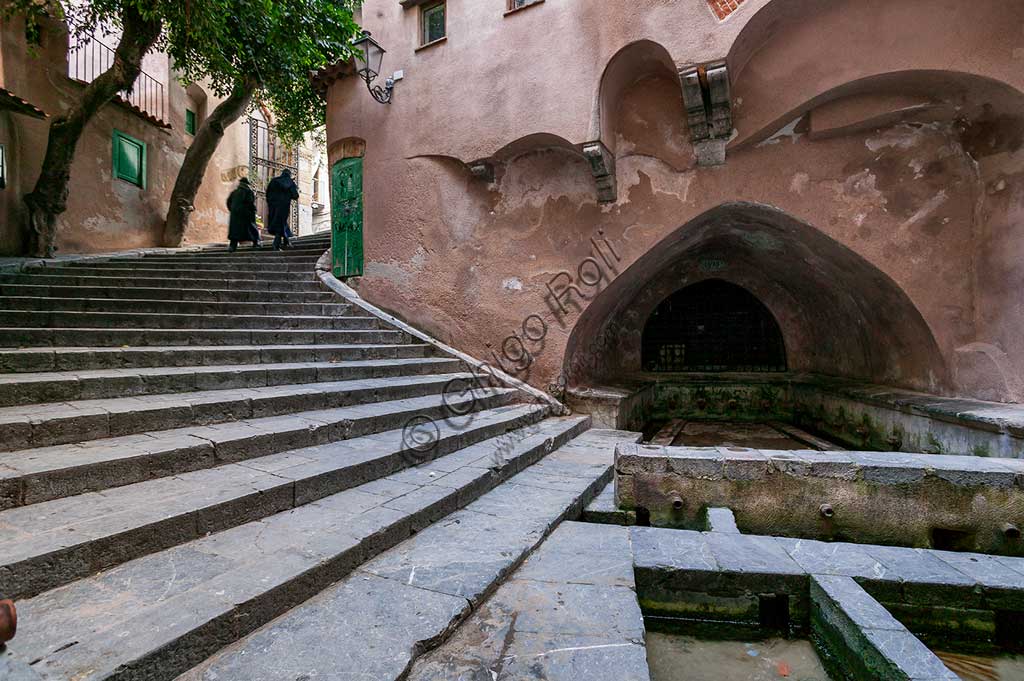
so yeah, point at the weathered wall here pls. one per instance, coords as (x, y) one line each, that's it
(869, 137)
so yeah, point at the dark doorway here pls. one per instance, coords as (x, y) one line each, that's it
(712, 326)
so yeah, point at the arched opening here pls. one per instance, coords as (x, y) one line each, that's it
(712, 326)
(838, 314)
(635, 62)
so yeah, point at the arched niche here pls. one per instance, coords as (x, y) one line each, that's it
(713, 325)
(794, 55)
(838, 314)
(634, 62)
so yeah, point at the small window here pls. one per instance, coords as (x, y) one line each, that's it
(519, 4)
(190, 121)
(129, 159)
(433, 20)
(3, 166)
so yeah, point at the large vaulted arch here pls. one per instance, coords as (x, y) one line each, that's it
(838, 314)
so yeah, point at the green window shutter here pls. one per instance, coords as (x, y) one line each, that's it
(129, 159)
(190, 122)
(347, 217)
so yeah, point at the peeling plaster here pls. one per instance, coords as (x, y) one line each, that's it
(931, 205)
(787, 131)
(901, 136)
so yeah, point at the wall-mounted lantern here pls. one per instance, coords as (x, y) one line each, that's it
(368, 67)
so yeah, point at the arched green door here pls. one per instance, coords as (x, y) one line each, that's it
(347, 217)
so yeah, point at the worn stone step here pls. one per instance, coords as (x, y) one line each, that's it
(234, 581)
(72, 278)
(35, 360)
(33, 389)
(42, 425)
(569, 613)
(246, 251)
(172, 266)
(413, 597)
(167, 294)
(69, 304)
(162, 320)
(46, 545)
(119, 270)
(31, 476)
(117, 337)
(243, 255)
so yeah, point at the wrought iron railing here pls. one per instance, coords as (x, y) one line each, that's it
(90, 58)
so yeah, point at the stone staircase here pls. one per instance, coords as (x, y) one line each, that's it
(195, 444)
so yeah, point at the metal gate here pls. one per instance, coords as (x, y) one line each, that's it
(268, 156)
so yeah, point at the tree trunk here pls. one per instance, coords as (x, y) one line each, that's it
(197, 158)
(49, 198)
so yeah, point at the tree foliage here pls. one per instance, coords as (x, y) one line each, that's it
(280, 42)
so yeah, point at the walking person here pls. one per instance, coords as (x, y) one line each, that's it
(242, 207)
(281, 191)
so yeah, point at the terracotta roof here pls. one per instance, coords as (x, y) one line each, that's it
(326, 76)
(12, 102)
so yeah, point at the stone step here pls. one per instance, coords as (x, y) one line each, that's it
(33, 389)
(253, 267)
(176, 607)
(167, 294)
(31, 476)
(42, 425)
(245, 251)
(72, 278)
(53, 543)
(413, 597)
(243, 255)
(35, 360)
(105, 338)
(119, 270)
(70, 304)
(160, 320)
(569, 613)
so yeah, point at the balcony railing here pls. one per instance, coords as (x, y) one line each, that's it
(91, 58)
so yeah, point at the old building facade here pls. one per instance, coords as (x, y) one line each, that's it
(129, 156)
(548, 174)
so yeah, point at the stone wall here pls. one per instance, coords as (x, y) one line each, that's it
(949, 502)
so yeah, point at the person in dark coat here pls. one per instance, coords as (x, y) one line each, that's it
(281, 191)
(242, 206)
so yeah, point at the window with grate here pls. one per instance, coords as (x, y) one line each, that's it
(712, 326)
(129, 159)
(433, 23)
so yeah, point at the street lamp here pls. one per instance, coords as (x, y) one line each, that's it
(368, 67)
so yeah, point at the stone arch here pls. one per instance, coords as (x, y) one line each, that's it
(634, 62)
(838, 313)
(797, 53)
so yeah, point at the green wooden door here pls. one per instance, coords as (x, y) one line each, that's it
(347, 217)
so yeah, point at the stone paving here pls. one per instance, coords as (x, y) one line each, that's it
(195, 443)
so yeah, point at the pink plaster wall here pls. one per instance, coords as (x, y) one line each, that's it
(889, 128)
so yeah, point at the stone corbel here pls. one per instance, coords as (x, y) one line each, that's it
(708, 100)
(602, 166)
